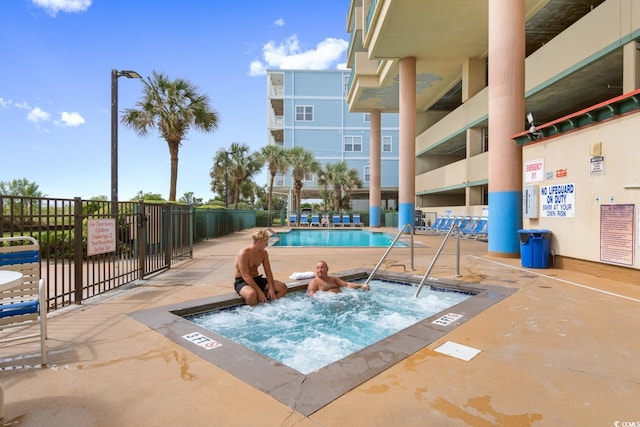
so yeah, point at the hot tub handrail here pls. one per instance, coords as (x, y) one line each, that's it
(412, 230)
(435, 257)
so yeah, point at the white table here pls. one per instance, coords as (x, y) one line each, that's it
(9, 278)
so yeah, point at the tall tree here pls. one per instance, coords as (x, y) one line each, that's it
(242, 166)
(173, 107)
(342, 179)
(301, 162)
(276, 160)
(20, 187)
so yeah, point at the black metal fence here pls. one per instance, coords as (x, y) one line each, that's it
(149, 238)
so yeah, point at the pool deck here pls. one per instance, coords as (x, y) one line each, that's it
(560, 351)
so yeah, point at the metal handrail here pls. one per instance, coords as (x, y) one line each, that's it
(412, 229)
(435, 257)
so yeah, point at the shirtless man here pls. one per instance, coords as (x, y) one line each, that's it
(326, 283)
(251, 285)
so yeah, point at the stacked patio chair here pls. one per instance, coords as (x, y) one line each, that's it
(315, 220)
(346, 220)
(356, 220)
(304, 220)
(335, 221)
(24, 303)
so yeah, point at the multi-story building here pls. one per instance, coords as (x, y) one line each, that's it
(308, 109)
(463, 77)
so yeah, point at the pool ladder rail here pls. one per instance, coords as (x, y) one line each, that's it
(433, 261)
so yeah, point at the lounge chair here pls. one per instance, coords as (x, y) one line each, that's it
(477, 229)
(335, 222)
(293, 220)
(435, 227)
(356, 220)
(304, 220)
(346, 220)
(23, 300)
(315, 220)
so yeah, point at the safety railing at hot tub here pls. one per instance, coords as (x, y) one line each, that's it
(437, 254)
(412, 231)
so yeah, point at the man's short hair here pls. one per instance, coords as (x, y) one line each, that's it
(261, 236)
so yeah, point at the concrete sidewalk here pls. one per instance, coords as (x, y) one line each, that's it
(561, 351)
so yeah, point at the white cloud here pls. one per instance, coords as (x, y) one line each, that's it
(289, 55)
(279, 22)
(37, 115)
(4, 103)
(52, 7)
(70, 119)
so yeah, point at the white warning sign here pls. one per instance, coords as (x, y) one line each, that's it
(558, 201)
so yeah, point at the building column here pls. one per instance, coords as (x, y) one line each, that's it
(374, 169)
(407, 162)
(506, 118)
(631, 67)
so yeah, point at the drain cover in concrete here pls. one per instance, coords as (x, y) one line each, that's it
(458, 351)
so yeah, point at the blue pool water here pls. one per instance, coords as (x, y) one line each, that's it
(351, 238)
(308, 333)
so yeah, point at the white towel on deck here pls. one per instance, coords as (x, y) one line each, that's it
(302, 275)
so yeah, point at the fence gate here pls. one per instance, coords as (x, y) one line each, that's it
(164, 234)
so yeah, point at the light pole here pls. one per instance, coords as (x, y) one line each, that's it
(226, 179)
(115, 74)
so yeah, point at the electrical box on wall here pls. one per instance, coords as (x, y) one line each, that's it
(530, 197)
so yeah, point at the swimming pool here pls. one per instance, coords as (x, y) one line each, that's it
(307, 393)
(336, 237)
(308, 333)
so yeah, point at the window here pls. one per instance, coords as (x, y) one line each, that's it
(387, 144)
(346, 79)
(367, 117)
(367, 173)
(352, 143)
(304, 113)
(308, 177)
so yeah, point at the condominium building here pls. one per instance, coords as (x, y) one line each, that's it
(308, 109)
(522, 110)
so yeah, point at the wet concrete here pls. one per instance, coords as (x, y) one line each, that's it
(561, 350)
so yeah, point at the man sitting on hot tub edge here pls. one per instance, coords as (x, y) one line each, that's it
(251, 285)
(324, 282)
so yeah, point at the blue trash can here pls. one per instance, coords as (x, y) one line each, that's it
(534, 248)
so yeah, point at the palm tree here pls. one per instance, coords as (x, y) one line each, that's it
(242, 166)
(342, 179)
(275, 158)
(302, 162)
(173, 107)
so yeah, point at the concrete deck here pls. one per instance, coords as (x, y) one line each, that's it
(561, 350)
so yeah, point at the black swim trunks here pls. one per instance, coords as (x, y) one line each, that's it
(260, 281)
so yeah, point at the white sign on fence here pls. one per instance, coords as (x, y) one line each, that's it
(558, 201)
(101, 236)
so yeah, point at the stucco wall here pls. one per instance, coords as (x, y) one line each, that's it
(579, 236)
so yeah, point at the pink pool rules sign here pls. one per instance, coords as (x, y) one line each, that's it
(101, 236)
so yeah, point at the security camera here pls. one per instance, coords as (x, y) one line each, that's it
(532, 127)
(530, 119)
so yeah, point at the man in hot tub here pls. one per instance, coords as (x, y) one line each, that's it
(250, 284)
(324, 282)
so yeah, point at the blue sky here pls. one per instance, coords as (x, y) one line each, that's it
(55, 90)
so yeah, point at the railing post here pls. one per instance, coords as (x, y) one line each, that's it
(77, 245)
(458, 251)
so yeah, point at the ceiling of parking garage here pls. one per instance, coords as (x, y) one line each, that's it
(438, 44)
